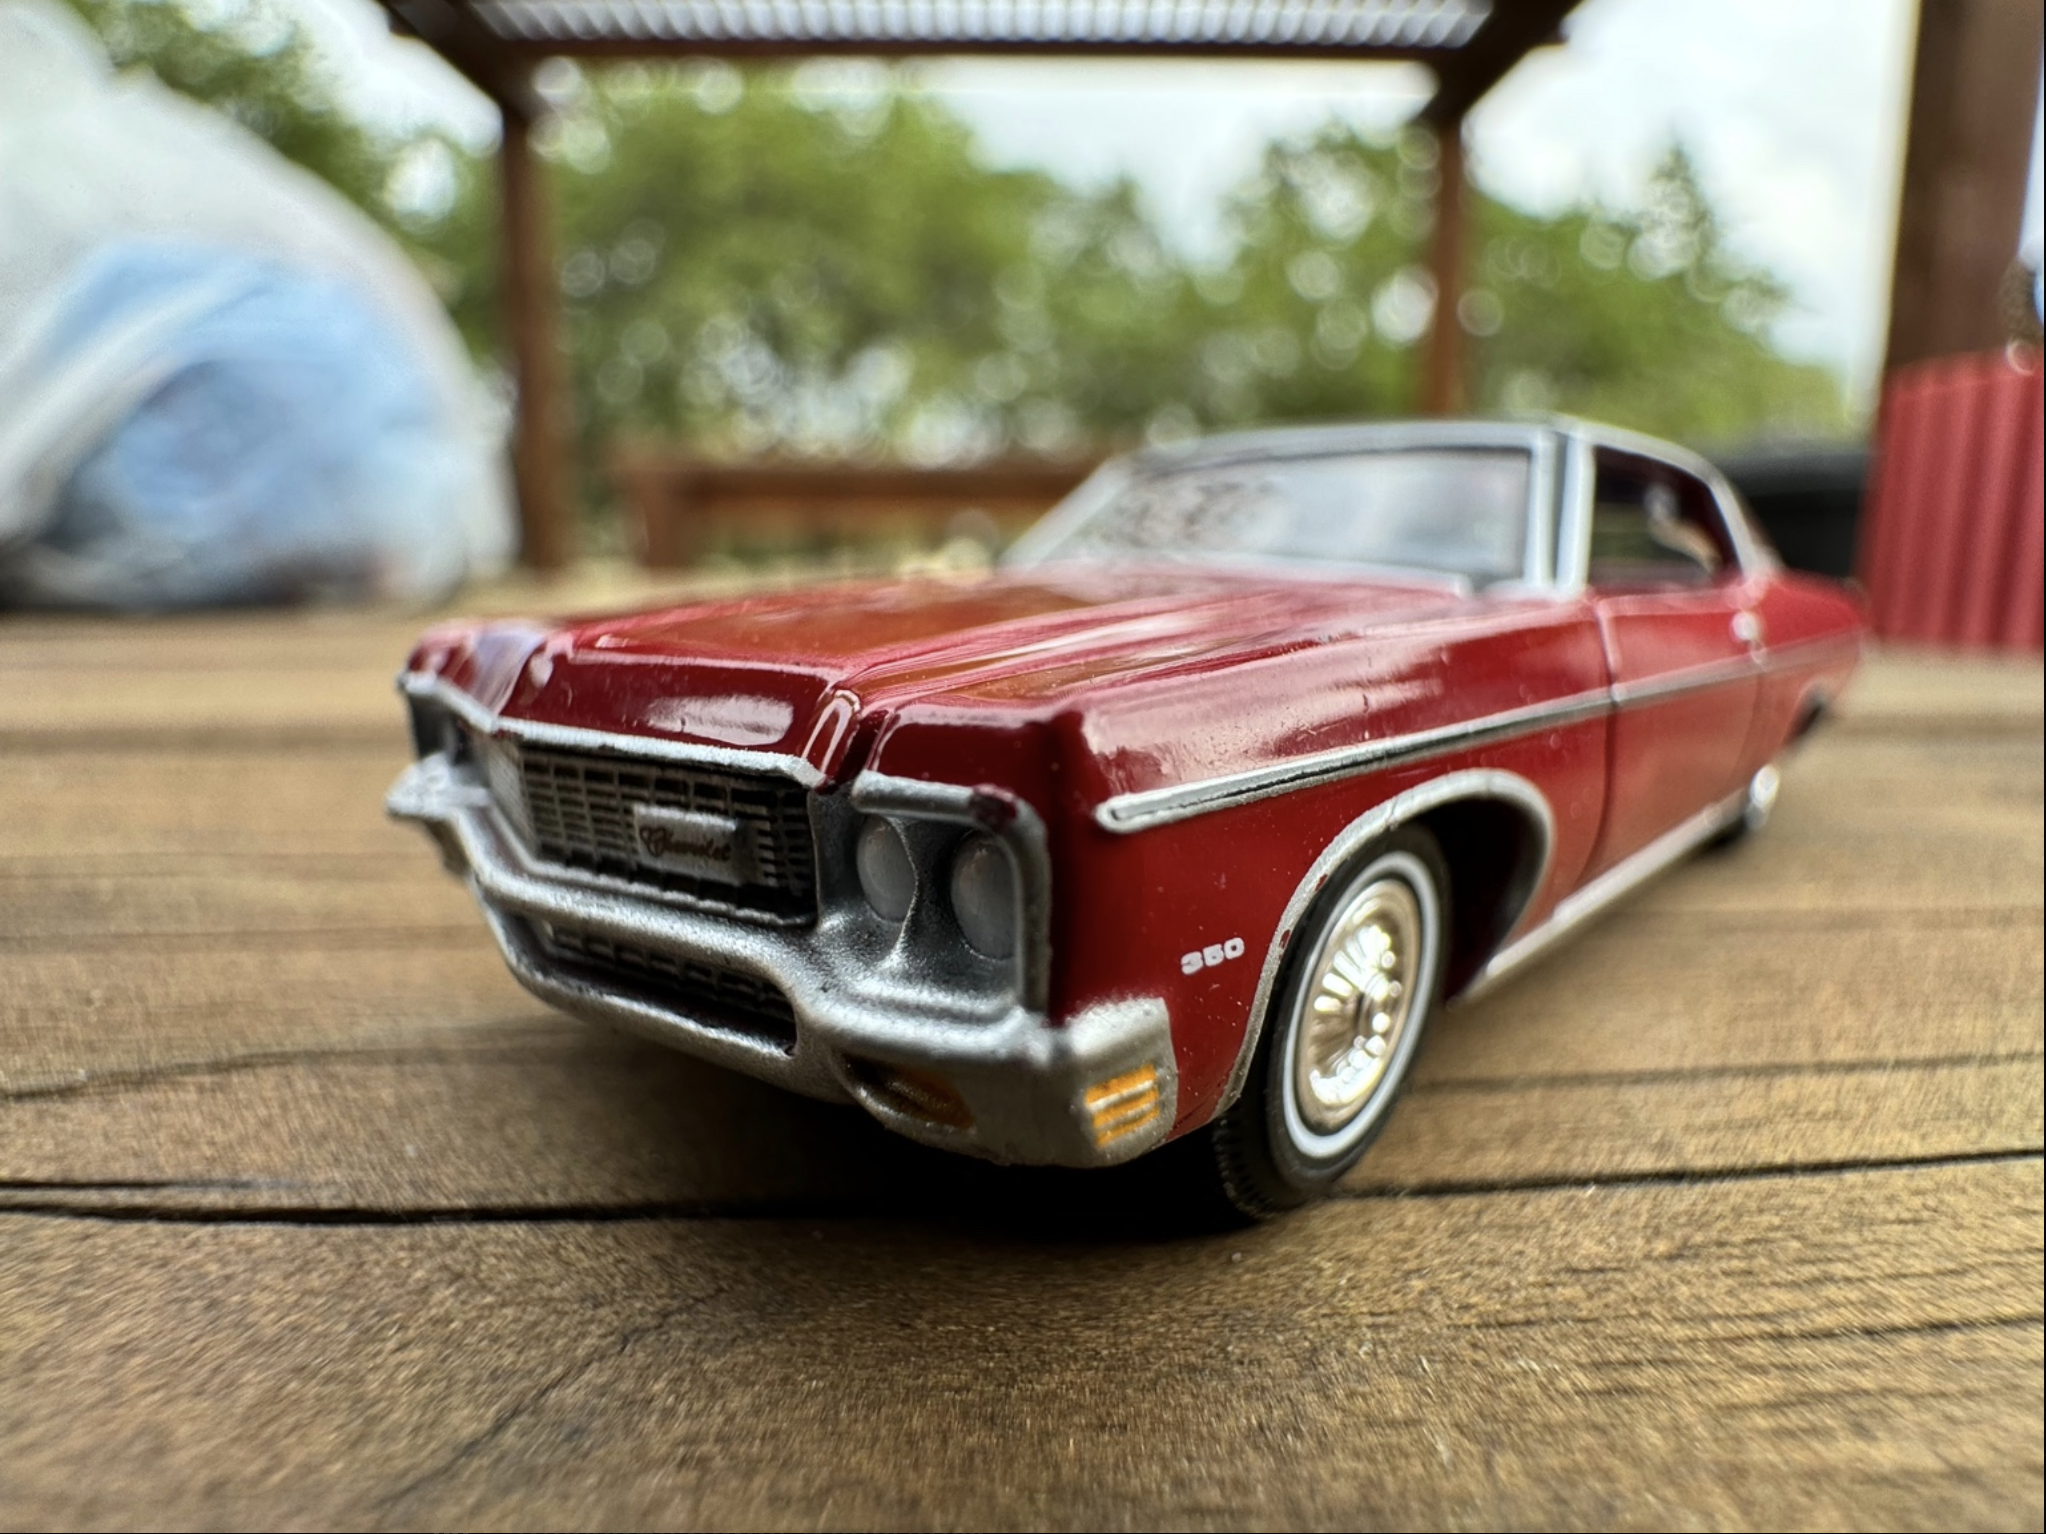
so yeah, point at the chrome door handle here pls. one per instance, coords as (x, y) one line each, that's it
(1747, 628)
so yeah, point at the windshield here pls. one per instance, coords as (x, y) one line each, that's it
(1459, 512)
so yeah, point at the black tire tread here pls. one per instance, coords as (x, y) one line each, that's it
(1246, 1172)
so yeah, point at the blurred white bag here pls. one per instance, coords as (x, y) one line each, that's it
(219, 381)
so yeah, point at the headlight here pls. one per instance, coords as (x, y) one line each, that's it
(887, 877)
(983, 895)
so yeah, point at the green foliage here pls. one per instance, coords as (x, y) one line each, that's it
(252, 62)
(751, 264)
(817, 261)
(1645, 319)
(1642, 319)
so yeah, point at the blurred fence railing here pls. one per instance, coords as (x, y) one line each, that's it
(681, 508)
(1953, 546)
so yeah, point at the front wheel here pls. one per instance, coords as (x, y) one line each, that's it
(1345, 1018)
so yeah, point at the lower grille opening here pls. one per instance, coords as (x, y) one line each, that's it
(726, 999)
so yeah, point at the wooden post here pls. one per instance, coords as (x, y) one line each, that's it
(1442, 383)
(530, 302)
(1974, 90)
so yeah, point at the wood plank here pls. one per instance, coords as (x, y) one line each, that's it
(255, 643)
(374, 640)
(1858, 830)
(129, 807)
(227, 796)
(97, 1016)
(308, 676)
(541, 1120)
(1596, 1272)
(523, 1123)
(1644, 992)
(1676, 990)
(340, 703)
(1857, 1351)
(1632, 996)
(1533, 1132)
(405, 887)
(259, 903)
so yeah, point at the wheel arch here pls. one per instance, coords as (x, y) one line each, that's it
(1468, 813)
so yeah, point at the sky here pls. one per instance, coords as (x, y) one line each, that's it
(1793, 110)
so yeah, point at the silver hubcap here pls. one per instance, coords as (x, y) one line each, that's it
(1359, 996)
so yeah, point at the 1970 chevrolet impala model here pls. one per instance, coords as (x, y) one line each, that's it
(1184, 819)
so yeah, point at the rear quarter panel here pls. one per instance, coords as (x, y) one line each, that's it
(1812, 636)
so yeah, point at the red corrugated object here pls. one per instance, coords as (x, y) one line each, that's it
(1953, 549)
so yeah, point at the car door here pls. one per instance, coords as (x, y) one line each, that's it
(1675, 612)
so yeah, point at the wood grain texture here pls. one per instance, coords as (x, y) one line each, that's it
(1851, 1350)
(1725, 1214)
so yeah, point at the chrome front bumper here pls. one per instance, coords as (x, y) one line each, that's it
(1091, 1090)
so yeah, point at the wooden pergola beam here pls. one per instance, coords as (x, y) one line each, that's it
(529, 294)
(1508, 36)
(1443, 389)
(451, 29)
(498, 53)
(1514, 29)
(1974, 93)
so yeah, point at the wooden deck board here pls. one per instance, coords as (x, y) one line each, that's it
(1727, 1213)
(549, 1123)
(1851, 1350)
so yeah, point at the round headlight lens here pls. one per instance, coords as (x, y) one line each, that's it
(984, 896)
(887, 877)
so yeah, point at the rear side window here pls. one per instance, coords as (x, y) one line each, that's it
(1653, 525)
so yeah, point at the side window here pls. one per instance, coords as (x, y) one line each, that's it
(1652, 525)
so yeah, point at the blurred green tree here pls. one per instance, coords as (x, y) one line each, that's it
(1642, 318)
(821, 263)
(817, 261)
(253, 62)
(764, 261)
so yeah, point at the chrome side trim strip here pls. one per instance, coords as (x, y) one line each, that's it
(1150, 807)
(1629, 873)
(437, 689)
(1738, 668)
(1485, 783)
(1160, 806)
(1805, 651)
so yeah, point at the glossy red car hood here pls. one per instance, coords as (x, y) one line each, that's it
(781, 672)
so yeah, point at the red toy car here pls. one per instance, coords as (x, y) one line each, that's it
(1186, 818)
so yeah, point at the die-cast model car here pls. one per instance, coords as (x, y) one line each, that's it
(1183, 819)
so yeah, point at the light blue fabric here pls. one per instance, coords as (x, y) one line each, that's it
(291, 446)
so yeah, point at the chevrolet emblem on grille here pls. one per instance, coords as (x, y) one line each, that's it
(691, 842)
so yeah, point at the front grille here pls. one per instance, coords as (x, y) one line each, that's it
(707, 993)
(578, 808)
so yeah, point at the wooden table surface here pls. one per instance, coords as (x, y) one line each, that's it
(1728, 1214)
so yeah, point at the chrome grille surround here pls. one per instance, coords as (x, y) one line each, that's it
(575, 809)
(716, 987)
